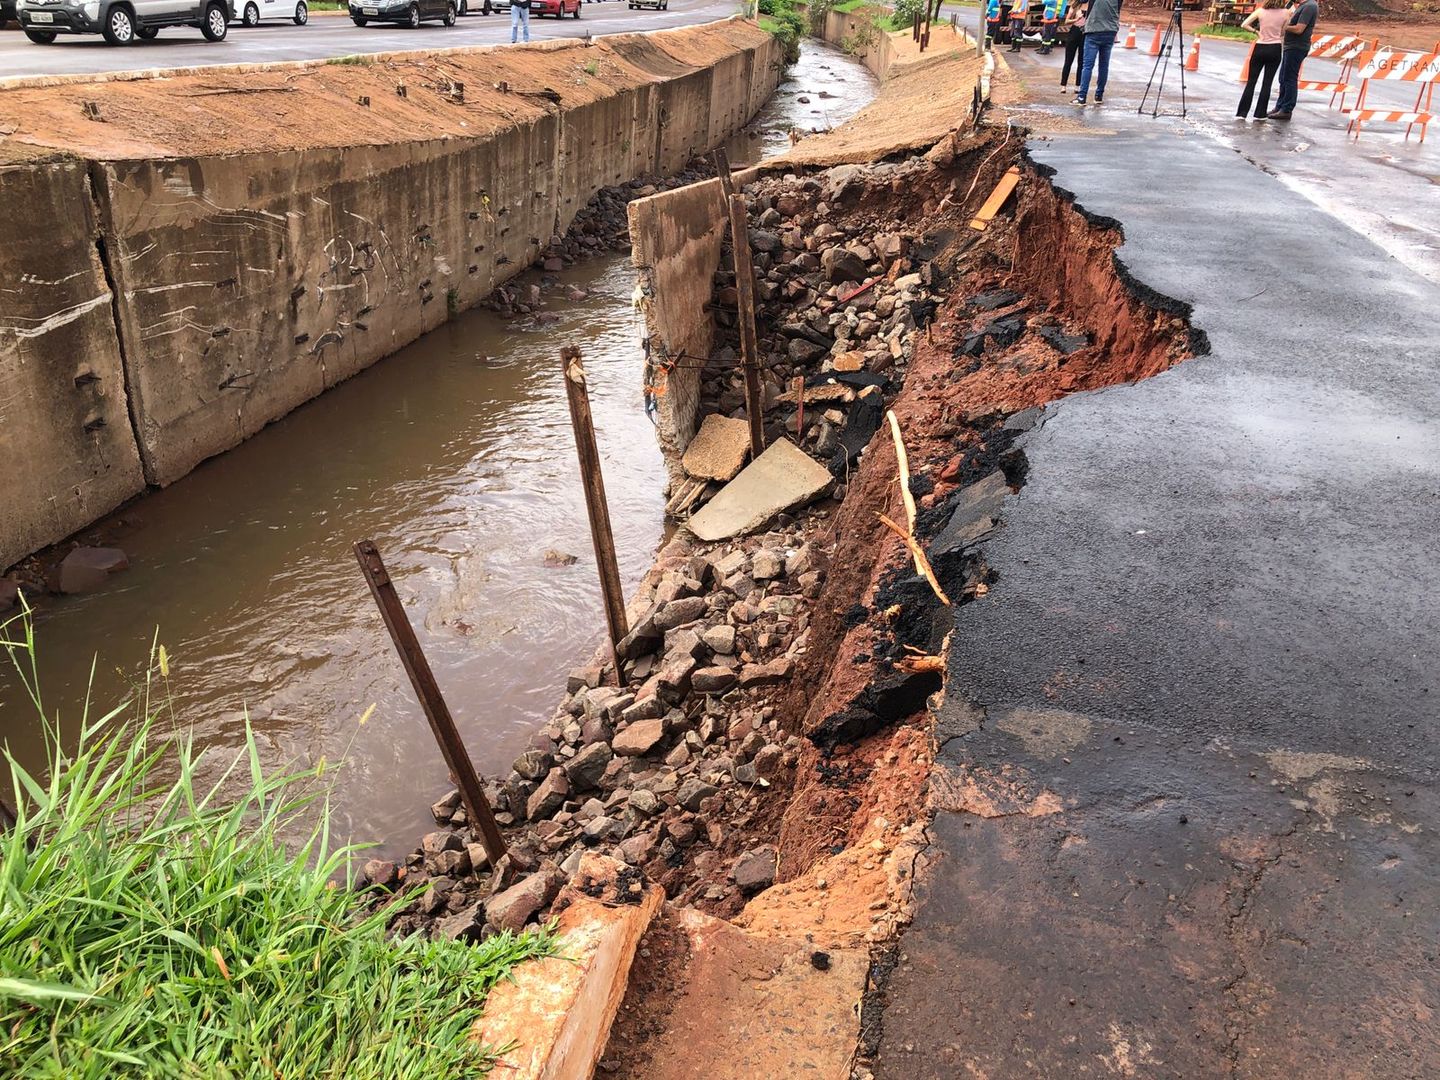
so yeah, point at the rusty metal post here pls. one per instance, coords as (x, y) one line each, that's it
(722, 170)
(442, 725)
(799, 385)
(749, 343)
(573, 373)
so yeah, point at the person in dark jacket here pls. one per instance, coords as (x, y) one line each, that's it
(1293, 51)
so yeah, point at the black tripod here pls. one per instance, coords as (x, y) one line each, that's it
(1174, 33)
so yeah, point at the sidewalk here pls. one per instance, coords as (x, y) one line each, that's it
(1187, 793)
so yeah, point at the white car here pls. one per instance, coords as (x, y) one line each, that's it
(252, 11)
(121, 21)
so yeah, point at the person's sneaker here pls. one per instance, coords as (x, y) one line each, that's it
(1078, 100)
(1278, 116)
(1099, 98)
(1261, 116)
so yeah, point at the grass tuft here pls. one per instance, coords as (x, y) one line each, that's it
(152, 927)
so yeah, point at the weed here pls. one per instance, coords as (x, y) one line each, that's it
(592, 68)
(152, 927)
(452, 301)
(1218, 30)
(350, 61)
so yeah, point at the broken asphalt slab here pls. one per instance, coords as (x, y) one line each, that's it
(782, 478)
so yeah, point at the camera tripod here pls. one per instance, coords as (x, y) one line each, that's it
(1174, 34)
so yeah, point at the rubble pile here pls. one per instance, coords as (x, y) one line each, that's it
(767, 648)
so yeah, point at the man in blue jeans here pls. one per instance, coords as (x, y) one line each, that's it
(1293, 51)
(1101, 25)
(519, 16)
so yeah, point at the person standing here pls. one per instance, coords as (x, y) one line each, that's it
(1047, 26)
(1293, 51)
(1101, 26)
(1074, 41)
(519, 17)
(1268, 21)
(1018, 10)
(994, 16)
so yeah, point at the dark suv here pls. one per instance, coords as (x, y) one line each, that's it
(404, 12)
(121, 21)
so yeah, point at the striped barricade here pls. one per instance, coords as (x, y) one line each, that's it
(1345, 50)
(1388, 65)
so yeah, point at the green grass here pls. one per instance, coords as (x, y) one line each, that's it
(152, 927)
(1215, 30)
(351, 61)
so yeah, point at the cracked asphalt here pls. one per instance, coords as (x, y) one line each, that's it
(1186, 799)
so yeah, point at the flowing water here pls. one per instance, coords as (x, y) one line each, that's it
(456, 457)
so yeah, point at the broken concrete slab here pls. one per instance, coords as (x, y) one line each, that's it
(717, 452)
(976, 509)
(782, 478)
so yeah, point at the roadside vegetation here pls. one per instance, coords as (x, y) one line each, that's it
(153, 924)
(787, 24)
(1218, 30)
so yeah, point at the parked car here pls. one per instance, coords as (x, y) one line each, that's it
(483, 7)
(121, 21)
(404, 12)
(558, 8)
(297, 11)
(658, 5)
(7, 12)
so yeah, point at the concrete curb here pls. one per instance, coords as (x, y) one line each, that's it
(557, 1012)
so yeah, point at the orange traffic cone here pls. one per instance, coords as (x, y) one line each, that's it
(1154, 49)
(1245, 67)
(1192, 62)
(1130, 37)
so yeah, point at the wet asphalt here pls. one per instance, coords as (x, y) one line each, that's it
(1188, 797)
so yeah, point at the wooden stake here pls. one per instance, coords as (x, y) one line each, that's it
(601, 536)
(749, 344)
(799, 386)
(903, 460)
(442, 725)
(920, 560)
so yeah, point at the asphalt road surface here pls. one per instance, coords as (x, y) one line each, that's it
(327, 35)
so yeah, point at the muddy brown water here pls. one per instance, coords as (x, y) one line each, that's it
(456, 456)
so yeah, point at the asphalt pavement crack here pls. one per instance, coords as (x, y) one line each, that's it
(1238, 911)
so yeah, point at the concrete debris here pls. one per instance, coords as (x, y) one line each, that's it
(783, 478)
(718, 450)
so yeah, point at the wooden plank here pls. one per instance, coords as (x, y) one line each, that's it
(997, 198)
(749, 342)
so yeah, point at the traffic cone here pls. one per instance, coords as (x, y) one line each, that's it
(1192, 62)
(1130, 38)
(1154, 49)
(1245, 68)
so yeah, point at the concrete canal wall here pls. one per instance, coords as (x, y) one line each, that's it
(185, 259)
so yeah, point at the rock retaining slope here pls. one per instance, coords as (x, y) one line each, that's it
(217, 248)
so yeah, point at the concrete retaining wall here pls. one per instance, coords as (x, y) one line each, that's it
(251, 280)
(67, 454)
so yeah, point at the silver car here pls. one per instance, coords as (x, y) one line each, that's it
(121, 21)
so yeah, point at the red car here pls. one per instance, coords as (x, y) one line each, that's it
(558, 8)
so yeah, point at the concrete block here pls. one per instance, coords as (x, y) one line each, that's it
(782, 478)
(557, 1012)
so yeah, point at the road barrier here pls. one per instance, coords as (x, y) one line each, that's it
(1343, 49)
(1392, 66)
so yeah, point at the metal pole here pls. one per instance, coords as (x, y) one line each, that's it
(749, 344)
(462, 770)
(722, 170)
(578, 394)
